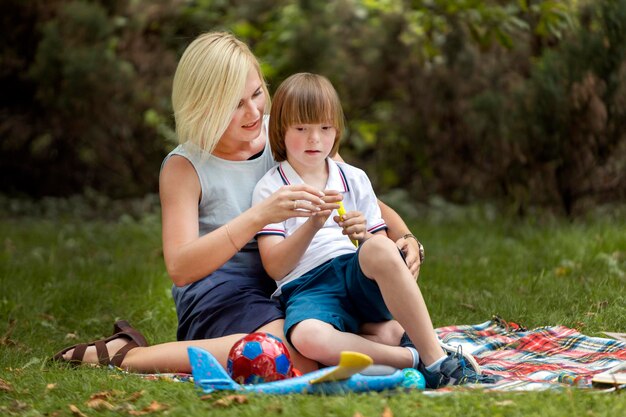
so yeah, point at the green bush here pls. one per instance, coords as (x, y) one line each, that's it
(521, 102)
(78, 108)
(570, 118)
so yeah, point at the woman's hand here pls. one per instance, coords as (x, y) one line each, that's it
(354, 225)
(281, 255)
(411, 249)
(289, 201)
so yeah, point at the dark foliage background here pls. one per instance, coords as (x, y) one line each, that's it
(521, 102)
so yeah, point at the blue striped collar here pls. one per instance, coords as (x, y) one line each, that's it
(336, 176)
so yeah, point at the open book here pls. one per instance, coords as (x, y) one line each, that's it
(614, 376)
(617, 336)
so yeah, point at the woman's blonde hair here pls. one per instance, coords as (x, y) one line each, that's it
(208, 85)
(303, 98)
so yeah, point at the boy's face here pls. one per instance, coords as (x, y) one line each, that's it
(308, 145)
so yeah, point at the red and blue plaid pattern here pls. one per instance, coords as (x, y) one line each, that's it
(537, 359)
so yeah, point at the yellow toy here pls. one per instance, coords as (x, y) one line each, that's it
(341, 211)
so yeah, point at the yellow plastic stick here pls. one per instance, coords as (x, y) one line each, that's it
(350, 363)
(341, 211)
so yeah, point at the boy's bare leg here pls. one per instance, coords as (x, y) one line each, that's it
(386, 332)
(322, 342)
(380, 261)
(300, 362)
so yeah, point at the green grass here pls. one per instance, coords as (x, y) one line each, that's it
(64, 279)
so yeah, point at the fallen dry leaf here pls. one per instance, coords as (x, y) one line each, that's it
(134, 396)
(6, 340)
(75, 411)
(5, 386)
(99, 404)
(387, 412)
(152, 408)
(124, 408)
(156, 406)
(48, 317)
(12, 324)
(51, 386)
(71, 336)
(230, 400)
(106, 395)
(17, 405)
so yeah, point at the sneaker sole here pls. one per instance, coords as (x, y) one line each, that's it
(471, 362)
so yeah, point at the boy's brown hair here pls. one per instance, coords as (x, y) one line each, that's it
(303, 98)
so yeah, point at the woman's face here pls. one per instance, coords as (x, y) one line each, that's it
(247, 120)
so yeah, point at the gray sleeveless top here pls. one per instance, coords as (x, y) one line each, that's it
(227, 188)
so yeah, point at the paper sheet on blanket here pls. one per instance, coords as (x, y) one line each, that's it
(617, 336)
(614, 376)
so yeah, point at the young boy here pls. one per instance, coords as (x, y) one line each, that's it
(331, 290)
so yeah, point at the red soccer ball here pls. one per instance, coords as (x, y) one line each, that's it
(259, 357)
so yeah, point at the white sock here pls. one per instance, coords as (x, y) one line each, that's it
(415, 354)
(435, 366)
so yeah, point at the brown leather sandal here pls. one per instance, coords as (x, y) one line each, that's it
(123, 326)
(125, 330)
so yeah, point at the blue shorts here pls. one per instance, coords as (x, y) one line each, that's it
(336, 292)
(229, 301)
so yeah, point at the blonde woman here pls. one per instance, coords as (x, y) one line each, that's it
(220, 289)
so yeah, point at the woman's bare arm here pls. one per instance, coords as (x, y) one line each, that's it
(189, 257)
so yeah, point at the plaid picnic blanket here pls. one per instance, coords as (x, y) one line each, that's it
(537, 359)
(528, 360)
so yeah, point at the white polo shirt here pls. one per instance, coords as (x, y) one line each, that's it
(328, 242)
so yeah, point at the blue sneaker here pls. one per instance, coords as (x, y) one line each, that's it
(450, 350)
(454, 371)
(458, 350)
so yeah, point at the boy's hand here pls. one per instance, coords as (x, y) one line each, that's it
(354, 225)
(331, 202)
